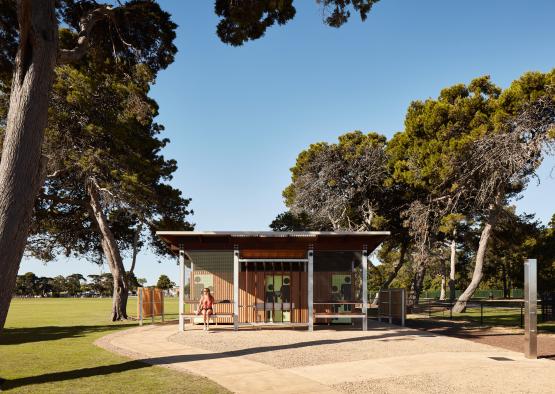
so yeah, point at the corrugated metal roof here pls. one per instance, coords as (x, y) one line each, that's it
(272, 234)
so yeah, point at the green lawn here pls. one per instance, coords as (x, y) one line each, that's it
(47, 347)
(497, 316)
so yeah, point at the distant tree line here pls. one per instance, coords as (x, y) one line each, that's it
(74, 285)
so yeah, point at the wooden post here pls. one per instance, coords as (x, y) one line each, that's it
(140, 306)
(365, 288)
(403, 307)
(152, 292)
(162, 306)
(310, 289)
(181, 287)
(236, 288)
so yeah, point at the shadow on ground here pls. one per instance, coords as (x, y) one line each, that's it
(503, 337)
(148, 362)
(73, 374)
(16, 336)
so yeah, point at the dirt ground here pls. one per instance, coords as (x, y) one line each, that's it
(503, 337)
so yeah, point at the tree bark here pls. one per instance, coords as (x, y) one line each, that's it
(443, 281)
(112, 253)
(136, 236)
(393, 274)
(504, 272)
(21, 164)
(452, 267)
(416, 284)
(460, 305)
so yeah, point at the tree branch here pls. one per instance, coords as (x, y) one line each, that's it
(86, 24)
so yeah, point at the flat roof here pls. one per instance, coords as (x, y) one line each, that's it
(267, 240)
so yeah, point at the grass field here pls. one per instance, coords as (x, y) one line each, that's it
(47, 347)
(493, 316)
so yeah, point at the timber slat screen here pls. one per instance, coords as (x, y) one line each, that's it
(212, 270)
(270, 291)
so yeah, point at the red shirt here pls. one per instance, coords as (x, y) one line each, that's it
(207, 302)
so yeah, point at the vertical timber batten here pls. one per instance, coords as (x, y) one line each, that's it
(310, 288)
(365, 287)
(181, 287)
(236, 288)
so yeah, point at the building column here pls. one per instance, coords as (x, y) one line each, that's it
(181, 288)
(365, 288)
(310, 288)
(236, 288)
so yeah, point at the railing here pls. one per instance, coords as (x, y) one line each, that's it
(492, 312)
(484, 293)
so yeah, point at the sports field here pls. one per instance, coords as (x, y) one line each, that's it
(47, 347)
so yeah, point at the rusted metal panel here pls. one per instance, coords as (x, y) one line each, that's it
(152, 302)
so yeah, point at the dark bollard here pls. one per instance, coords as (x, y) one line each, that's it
(481, 314)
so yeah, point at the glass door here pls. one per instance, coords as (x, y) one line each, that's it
(277, 298)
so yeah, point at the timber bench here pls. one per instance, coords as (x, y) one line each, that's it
(329, 313)
(213, 317)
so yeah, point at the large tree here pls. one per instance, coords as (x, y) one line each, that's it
(470, 151)
(137, 31)
(347, 186)
(102, 192)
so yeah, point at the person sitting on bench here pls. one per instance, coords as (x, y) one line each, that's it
(205, 306)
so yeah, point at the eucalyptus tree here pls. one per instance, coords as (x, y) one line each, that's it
(106, 177)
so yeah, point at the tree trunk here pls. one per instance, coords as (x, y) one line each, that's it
(416, 284)
(392, 275)
(21, 165)
(111, 251)
(504, 273)
(478, 273)
(443, 282)
(136, 236)
(452, 267)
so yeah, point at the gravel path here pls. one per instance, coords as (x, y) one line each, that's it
(386, 359)
(286, 348)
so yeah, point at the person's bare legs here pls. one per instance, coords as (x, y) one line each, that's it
(208, 313)
(204, 318)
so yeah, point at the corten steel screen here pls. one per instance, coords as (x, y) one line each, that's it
(337, 283)
(152, 301)
(212, 270)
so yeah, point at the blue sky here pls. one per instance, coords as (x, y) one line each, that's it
(238, 117)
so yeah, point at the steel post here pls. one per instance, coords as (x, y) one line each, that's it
(530, 309)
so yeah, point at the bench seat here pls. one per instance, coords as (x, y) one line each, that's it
(339, 315)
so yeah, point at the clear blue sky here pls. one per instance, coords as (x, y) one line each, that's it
(238, 117)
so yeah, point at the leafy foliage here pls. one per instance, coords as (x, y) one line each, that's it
(245, 20)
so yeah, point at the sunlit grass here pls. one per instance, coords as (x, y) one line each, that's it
(493, 316)
(47, 347)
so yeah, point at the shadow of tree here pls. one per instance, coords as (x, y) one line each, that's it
(148, 362)
(16, 336)
(73, 374)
